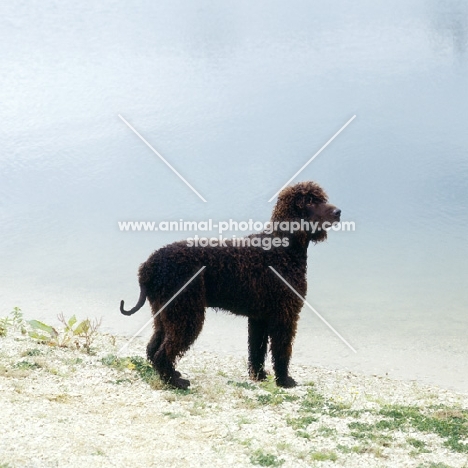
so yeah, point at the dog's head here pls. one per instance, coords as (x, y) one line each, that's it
(307, 201)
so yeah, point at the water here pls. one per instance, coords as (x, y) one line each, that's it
(238, 97)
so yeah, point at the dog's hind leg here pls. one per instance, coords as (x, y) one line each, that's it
(258, 344)
(181, 328)
(156, 340)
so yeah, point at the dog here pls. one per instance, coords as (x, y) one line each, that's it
(237, 279)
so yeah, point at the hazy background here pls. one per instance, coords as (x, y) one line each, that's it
(238, 96)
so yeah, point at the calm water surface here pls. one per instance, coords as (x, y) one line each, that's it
(238, 97)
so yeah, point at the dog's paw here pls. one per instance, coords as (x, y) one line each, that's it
(258, 376)
(287, 382)
(179, 383)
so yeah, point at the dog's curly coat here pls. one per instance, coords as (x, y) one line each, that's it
(238, 280)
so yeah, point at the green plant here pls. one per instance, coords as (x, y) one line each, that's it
(324, 456)
(138, 364)
(259, 457)
(18, 320)
(313, 401)
(326, 431)
(276, 395)
(246, 385)
(71, 333)
(449, 424)
(13, 319)
(301, 423)
(87, 329)
(434, 465)
(31, 352)
(27, 365)
(418, 444)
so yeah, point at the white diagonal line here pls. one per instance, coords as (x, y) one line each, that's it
(161, 157)
(161, 309)
(313, 310)
(314, 156)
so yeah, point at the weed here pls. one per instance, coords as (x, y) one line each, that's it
(283, 446)
(301, 423)
(259, 457)
(13, 319)
(447, 423)
(243, 420)
(246, 385)
(122, 381)
(338, 409)
(74, 361)
(326, 431)
(172, 415)
(313, 401)
(324, 456)
(248, 403)
(26, 365)
(143, 368)
(276, 395)
(434, 465)
(344, 448)
(87, 329)
(32, 352)
(111, 360)
(198, 408)
(363, 431)
(70, 335)
(418, 444)
(138, 364)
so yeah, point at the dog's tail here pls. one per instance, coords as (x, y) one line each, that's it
(139, 304)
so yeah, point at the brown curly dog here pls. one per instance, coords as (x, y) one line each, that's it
(237, 278)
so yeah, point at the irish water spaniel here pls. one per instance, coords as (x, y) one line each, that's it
(236, 279)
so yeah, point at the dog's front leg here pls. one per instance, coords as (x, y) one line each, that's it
(282, 336)
(258, 344)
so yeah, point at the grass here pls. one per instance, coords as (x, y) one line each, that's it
(325, 431)
(26, 365)
(310, 416)
(447, 423)
(32, 352)
(324, 455)
(301, 422)
(433, 465)
(261, 458)
(418, 444)
(246, 385)
(137, 364)
(275, 395)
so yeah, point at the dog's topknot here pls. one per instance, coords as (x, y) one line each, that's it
(290, 199)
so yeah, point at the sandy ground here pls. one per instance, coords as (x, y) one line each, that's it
(65, 407)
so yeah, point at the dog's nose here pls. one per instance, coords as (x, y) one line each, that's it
(337, 212)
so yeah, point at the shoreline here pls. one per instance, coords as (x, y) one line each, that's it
(65, 407)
